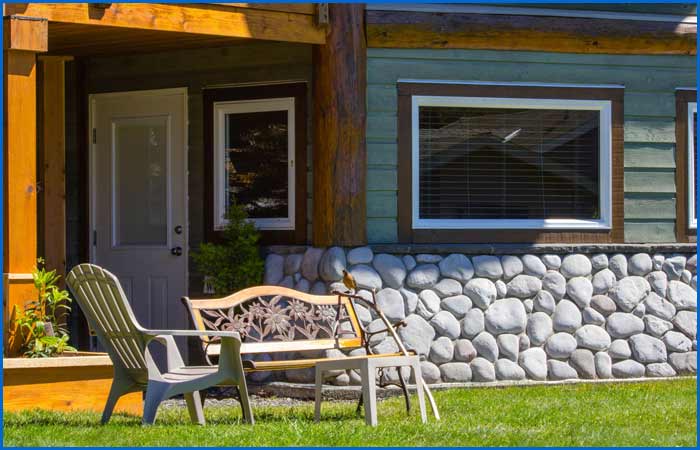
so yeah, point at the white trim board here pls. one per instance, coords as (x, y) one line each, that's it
(692, 215)
(513, 83)
(525, 11)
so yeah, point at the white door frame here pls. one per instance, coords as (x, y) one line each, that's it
(92, 98)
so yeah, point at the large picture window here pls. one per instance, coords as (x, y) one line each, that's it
(686, 165)
(525, 159)
(692, 164)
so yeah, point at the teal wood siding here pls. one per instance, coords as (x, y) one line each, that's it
(650, 83)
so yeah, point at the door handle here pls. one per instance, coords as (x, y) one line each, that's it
(178, 229)
(176, 251)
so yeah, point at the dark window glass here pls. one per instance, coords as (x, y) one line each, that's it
(257, 161)
(487, 163)
(695, 159)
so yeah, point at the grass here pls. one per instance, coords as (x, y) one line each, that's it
(659, 413)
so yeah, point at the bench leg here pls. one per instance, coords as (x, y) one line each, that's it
(319, 384)
(369, 393)
(406, 395)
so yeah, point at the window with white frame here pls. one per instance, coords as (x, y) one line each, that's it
(511, 163)
(692, 164)
(254, 148)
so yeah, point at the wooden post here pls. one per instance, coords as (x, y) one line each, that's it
(53, 162)
(23, 38)
(339, 117)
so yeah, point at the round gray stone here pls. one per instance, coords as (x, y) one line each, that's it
(309, 264)
(446, 324)
(599, 261)
(473, 323)
(603, 304)
(686, 276)
(659, 307)
(388, 345)
(360, 255)
(441, 350)
(694, 282)
(464, 350)
(560, 345)
(575, 265)
(287, 282)
(303, 285)
(532, 265)
(447, 287)
(639, 310)
(618, 264)
(506, 316)
(677, 342)
(319, 288)
(423, 276)
(534, 361)
(481, 291)
(657, 370)
(430, 372)
(409, 261)
(552, 262)
(647, 349)
(524, 286)
(559, 370)
(410, 300)
(332, 264)
(592, 317)
(659, 282)
(501, 289)
(292, 263)
(482, 370)
(682, 296)
(639, 264)
(539, 328)
(529, 305)
(603, 365)
(624, 325)
(366, 277)
(509, 370)
(458, 267)
(456, 372)
(428, 259)
(628, 369)
(655, 326)
(544, 302)
(657, 261)
(417, 334)
(584, 362)
(274, 269)
(580, 290)
(555, 284)
(686, 321)
(603, 281)
(486, 346)
(512, 266)
(567, 317)
(691, 264)
(487, 266)
(508, 346)
(592, 337)
(428, 304)
(374, 327)
(390, 302)
(620, 349)
(684, 363)
(391, 269)
(628, 292)
(674, 267)
(458, 305)
(523, 342)
(363, 314)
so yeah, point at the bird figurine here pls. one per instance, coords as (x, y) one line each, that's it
(349, 281)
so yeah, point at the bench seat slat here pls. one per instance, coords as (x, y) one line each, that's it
(289, 364)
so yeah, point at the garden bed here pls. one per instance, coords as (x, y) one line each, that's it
(74, 382)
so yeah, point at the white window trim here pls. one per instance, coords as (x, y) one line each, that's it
(221, 109)
(692, 219)
(605, 179)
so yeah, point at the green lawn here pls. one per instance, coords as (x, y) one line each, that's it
(633, 414)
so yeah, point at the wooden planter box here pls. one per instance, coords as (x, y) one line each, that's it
(80, 381)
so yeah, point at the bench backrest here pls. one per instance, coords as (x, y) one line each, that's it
(277, 319)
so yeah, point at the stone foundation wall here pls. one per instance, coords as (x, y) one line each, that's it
(542, 317)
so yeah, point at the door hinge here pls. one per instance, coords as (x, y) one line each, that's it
(94, 135)
(94, 238)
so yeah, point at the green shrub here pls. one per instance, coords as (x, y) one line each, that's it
(235, 263)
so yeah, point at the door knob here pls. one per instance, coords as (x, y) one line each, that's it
(176, 251)
(178, 229)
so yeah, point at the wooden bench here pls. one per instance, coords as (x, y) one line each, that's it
(278, 321)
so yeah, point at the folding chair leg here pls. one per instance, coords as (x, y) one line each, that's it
(118, 389)
(194, 407)
(245, 402)
(155, 394)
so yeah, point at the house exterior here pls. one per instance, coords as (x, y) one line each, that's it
(516, 182)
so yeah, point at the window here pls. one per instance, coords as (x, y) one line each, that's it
(258, 159)
(686, 165)
(692, 164)
(483, 161)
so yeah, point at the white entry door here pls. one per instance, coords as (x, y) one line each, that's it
(138, 199)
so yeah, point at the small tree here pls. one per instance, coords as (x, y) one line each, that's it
(235, 263)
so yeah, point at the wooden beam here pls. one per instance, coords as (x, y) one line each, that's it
(502, 32)
(339, 117)
(53, 162)
(204, 19)
(298, 8)
(25, 33)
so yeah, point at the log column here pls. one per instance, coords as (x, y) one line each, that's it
(23, 39)
(339, 117)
